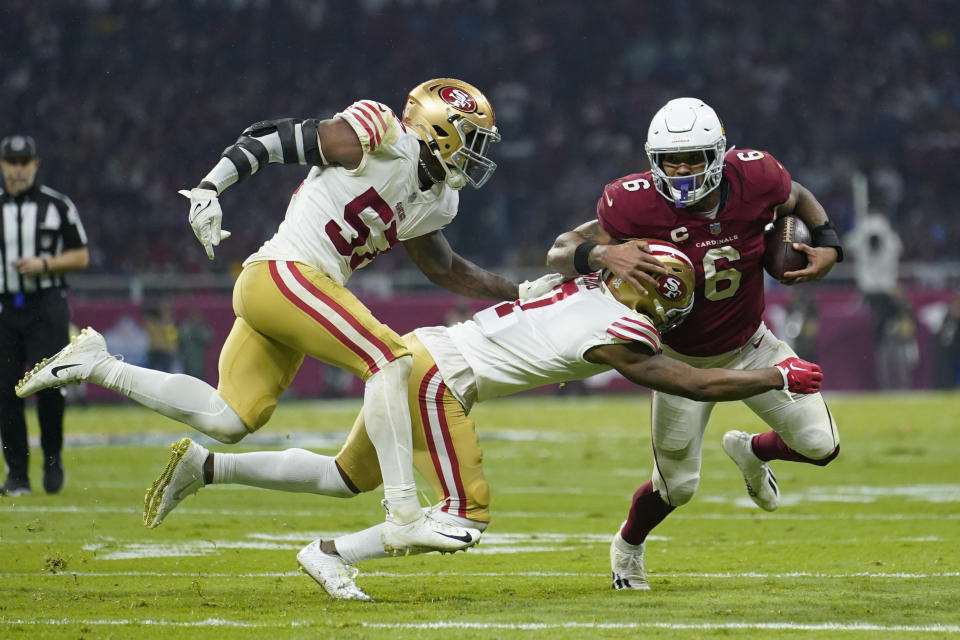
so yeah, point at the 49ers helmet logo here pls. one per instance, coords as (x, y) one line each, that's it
(458, 99)
(671, 287)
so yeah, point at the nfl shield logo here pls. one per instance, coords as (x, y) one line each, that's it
(715, 228)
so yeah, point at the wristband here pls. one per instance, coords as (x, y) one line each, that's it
(826, 236)
(581, 257)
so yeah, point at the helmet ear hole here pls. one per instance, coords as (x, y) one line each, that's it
(440, 132)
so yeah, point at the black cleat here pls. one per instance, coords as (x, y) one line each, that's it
(52, 474)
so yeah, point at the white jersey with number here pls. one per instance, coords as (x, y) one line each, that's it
(514, 346)
(341, 219)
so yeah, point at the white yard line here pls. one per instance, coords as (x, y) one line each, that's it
(786, 626)
(519, 626)
(751, 575)
(569, 515)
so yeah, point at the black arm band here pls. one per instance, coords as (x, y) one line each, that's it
(311, 149)
(826, 236)
(581, 257)
(239, 160)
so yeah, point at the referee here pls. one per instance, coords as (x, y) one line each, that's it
(41, 238)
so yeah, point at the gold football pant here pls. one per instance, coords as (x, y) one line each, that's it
(286, 310)
(446, 451)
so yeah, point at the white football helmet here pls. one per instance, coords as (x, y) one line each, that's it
(680, 126)
(670, 302)
(456, 122)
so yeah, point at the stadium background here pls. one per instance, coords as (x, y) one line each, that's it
(130, 101)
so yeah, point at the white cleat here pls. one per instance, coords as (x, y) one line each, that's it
(425, 534)
(183, 476)
(761, 483)
(71, 364)
(331, 572)
(626, 566)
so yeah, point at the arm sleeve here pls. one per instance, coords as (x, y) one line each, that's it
(286, 141)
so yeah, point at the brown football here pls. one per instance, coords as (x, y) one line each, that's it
(779, 256)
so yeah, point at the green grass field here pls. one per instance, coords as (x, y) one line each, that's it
(864, 548)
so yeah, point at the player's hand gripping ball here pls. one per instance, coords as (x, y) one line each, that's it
(779, 256)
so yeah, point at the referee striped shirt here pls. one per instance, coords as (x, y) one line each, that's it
(38, 222)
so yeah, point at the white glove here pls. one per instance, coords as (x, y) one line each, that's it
(205, 216)
(540, 286)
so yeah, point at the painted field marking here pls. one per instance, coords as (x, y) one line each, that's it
(520, 626)
(748, 575)
(568, 515)
(778, 626)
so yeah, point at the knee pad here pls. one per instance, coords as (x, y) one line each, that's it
(677, 490)
(681, 493)
(818, 445)
(822, 462)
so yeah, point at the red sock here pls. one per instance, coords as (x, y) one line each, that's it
(646, 512)
(770, 446)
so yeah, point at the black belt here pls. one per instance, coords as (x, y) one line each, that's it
(20, 300)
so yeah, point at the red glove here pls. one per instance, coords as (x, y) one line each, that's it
(800, 376)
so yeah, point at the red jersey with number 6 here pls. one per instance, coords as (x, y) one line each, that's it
(726, 249)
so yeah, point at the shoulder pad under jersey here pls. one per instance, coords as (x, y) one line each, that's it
(375, 124)
(627, 202)
(760, 176)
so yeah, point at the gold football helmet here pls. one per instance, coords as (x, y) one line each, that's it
(669, 303)
(456, 122)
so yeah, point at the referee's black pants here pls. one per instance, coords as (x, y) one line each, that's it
(31, 329)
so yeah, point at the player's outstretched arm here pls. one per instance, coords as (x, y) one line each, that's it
(826, 249)
(287, 141)
(662, 373)
(589, 248)
(433, 255)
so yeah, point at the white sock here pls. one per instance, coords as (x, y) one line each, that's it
(361, 545)
(367, 545)
(174, 395)
(294, 470)
(387, 419)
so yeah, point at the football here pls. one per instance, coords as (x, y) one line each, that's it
(779, 256)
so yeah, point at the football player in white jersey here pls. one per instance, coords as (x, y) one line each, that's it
(375, 180)
(579, 328)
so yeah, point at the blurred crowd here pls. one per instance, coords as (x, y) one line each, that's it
(130, 101)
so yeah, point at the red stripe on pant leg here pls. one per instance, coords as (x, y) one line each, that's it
(451, 452)
(341, 311)
(428, 430)
(316, 315)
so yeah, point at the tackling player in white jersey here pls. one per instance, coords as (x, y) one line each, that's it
(580, 328)
(376, 180)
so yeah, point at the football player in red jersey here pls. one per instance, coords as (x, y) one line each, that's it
(714, 204)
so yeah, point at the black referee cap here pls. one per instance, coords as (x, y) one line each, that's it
(18, 147)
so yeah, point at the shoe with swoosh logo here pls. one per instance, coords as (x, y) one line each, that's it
(425, 534)
(71, 364)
